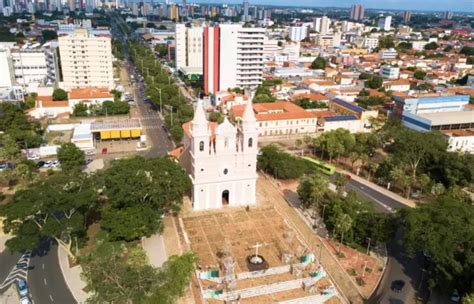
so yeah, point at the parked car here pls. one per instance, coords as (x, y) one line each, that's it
(40, 164)
(22, 288)
(25, 300)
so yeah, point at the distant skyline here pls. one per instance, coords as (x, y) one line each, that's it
(416, 5)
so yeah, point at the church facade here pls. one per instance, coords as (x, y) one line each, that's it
(222, 160)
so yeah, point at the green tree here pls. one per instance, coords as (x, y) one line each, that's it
(312, 190)
(59, 94)
(56, 208)
(444, 229)
(71, 157)
(419, 75)
(280, 164)
(139, 192)
(30, 101)
(467, 50)
(404, 46)
(80, 110)
(318, 64)
(216, 117)
(448, 48)
(49, 35)
(375, 82)
(386, 42)
(431, 46)
(9, 149)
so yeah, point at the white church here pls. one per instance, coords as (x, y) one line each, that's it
(221, 160)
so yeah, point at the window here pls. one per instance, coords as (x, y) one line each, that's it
(226, 171)
(250, 142)
(201, 146)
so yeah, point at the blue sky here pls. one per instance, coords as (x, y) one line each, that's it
(431, 5)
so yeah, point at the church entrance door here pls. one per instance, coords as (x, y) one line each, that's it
(225, 197)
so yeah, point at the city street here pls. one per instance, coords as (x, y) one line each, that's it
(400, 266)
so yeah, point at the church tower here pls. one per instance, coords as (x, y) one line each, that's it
(223, 161)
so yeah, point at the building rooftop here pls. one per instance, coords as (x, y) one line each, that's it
(90, 93)
(280, 110)
(449, 118)
(123, 124)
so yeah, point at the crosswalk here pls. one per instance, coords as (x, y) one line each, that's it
(19, 271)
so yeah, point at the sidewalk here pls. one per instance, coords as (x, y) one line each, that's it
(401, 199)
(10, 296)
(154, 247)
(72, 276)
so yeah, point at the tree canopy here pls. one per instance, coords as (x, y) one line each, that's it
(280, 164)
(444, 230)
(71, 157)
(318, 64)
(139, 191)
(59, 94)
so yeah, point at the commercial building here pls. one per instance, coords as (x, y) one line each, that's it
(429, 103)
(357, 12)
(385, 23)
(389, 72)
(429, 121)
(233, 57)
(189, 47)
(86, 60)
(388, 54)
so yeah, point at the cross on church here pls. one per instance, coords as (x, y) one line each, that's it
(256, 246)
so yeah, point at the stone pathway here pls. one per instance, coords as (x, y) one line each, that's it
(154, 247)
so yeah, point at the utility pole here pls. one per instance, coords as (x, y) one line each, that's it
(368, 246)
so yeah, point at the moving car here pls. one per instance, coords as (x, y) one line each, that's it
(455, 297)
(397, 285)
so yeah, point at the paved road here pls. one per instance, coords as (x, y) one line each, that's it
(400, 266)
(8, 260)
(45, 278)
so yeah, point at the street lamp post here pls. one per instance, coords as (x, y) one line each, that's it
(161, 102)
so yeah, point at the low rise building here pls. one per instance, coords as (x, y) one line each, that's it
(389, 72)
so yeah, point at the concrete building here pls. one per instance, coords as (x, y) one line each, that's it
(35, 66)
(189, 47)
(385, 23)
(86, 60)
(429, 103)
(7, 76)
(389, 72)
(321, 24)
(233, 57)
(270, 48)
(357, 12)
(298, 33)
(406, 17)
(221, 160)
(371, 42)
(460, 140)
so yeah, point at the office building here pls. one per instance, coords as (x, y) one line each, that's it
(86, 60)
(406, 17)
(233, 57)
(357, 12)
(321, 24)
(298, 33)
(385, 23)
(388, 54)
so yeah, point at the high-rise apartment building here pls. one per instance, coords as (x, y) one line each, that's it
(385, 23)
(448, 15)
(86, 60)
(357, 12)
(245, 16)
(189, 46)
(174, 12)
(406, 17)
(233, 57)
(298, 33)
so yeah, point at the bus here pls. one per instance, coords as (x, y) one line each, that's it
(319, 165)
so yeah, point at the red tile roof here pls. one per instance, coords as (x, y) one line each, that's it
(90, 93)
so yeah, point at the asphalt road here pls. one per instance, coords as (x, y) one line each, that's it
(8, 260)
(399, 266)
(45, 278)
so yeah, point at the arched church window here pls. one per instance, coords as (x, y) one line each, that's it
(226, 142)
(250, 142)
(201, 146)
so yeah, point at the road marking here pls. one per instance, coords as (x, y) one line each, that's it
(52, 300)
(17, 273)
(377, 201)
(42, 265)
(45, 282)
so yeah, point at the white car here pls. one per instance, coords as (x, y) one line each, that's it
(25, 300)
